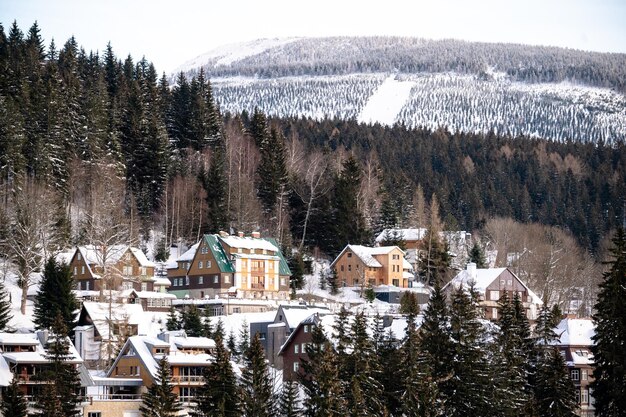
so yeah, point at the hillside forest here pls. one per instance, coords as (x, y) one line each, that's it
(98, 149)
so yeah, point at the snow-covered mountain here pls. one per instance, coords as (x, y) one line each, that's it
(555, 93)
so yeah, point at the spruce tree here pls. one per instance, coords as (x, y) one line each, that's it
(554, 389)
(244, 338)
(477, 255)
(61, 393)
(324, 394)
(160, 400)
(207, 326)
(13, 402)
(289, 405)
(172, 320)
(609, 349)
(5, 308)
(55, 296)
(215, 187)
(192, 323)
(257, 392)
(219, 396)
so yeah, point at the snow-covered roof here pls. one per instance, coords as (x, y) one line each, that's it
(99, 313)
(141, 345)
(295, 314)
(481, 278)
(188, 255)
(162, 281)
(141, 257)
(575, 332)
(94, 255)
(366, 254)
(153, 294)
(407, 234)
(247, 242)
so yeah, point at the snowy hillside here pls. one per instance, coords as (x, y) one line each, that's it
(557, 111)
(554, 93)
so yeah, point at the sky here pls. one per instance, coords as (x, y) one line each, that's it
(171, 32)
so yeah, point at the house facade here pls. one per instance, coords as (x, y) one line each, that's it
(360, 265)
(225, 265)
(491, 284)
(293, 351)
(126, 268)
(575, 344)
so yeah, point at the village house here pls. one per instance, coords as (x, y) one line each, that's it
(227, 265)
(491, 284)
(575, 344)
(23, 356)
(134, 371)
(95, 269)
(360, 265)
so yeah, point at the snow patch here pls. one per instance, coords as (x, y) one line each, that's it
(386, 102)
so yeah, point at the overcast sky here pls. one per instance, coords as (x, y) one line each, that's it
(171, 32)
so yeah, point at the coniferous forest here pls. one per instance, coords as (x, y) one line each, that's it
(99, 149)
(99, 137)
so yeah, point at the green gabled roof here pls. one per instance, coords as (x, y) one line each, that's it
(218, 254)
(283, 266)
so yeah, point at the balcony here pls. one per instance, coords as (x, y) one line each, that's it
(187, 379)
(257, 285)
(112, 397)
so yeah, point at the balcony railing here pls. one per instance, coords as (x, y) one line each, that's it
(181, 379)
(257, 285)
(112, 397)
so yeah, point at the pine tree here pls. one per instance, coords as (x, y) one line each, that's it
(257, 396)
(435, 259)
(289, 405)
(324, 395)
(5, 308)
(214, 184)
(55, 296)
(408, 304)
(609, 387)
(219, 331)
(207, 326)
(272, 171)
(219, 396)
(477, 255)
(160, 400)
(554, 389)
(192, 323)
(467, 393)
(13, 402)
(244, 338)
(172, 320)
(61, 393)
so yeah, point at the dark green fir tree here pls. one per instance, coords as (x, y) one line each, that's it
(5, 308)
(160, 400)
(609, 387)
(257, 388)
(220, 395)
(173, 323)
(554, 389)
(192, 323)
(477, 255)
(289, 405)
(13, 401)
(55, 296)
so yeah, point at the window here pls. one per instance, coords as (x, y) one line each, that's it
(262, 336)
(199, 264)
(574, 375)
(584, 374)
(128, 270)
(208, 264)
(87, 285)
(577, 396)
(341, 268)
(494, 295)
(296, 348)
(186, 280)
(306, 328)
(75, 270)
(79, 257)
(509, 283)
(584, 396)
(494, 313)
(127, 285)
(144, 286)
(227, 279)
(395, 257)
(395, 282)
(200, 280)
(216, 279)
(349, 254)
(283, 281)
(82, 269)
(296, 366)
(143, 270)
(349, 267)
(204, 250)
(94, 414)
(134, 370)
(303, 348)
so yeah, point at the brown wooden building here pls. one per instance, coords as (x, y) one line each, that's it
(361, 265)
(221, 264)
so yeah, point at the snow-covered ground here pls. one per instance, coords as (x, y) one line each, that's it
(385, 104)
(20, 322)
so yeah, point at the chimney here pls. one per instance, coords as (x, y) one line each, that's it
(256, 235)
(42, 335)
(164, 336)
(240, 234)
(471, 270)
